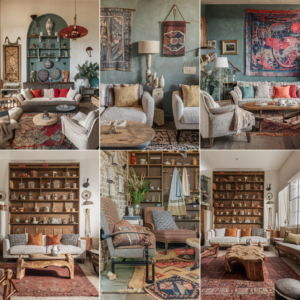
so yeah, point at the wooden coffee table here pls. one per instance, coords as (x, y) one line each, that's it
(272, 106)
(38, 120)
(134, 135)
(38, 261)
(251, 257)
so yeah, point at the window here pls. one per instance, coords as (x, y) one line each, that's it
(294, 205)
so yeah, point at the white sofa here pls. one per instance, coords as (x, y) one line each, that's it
(186, 118)
(77, 252)
(239, 101)
(212, 238)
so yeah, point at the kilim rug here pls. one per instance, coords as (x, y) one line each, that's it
(166, 266)
(30, 136)
(219, 285)
(52, 282)
(166, 140)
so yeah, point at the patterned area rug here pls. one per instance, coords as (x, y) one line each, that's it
(166, 140)
(30, 136)
(218, 285)
(52, 282)
(166, 266)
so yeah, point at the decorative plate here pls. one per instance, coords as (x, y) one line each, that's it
(43, 75)
(48, 64)
(86, 195)
(2, 196)
(55, 73)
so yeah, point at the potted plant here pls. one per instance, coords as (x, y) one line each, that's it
(137, 188)
(87, 71)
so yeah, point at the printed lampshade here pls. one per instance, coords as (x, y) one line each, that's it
(148, 47)
(221, 62)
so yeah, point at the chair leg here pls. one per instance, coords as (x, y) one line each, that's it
(82, 260)
(62, 140)
(178, 135)
(211, 142)
(113, 265)
(166, 248)
(248, 136)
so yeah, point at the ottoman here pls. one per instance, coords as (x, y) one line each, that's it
(287, 288)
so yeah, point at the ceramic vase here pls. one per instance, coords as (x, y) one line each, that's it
(137, 210)
(54, 250)
(86, 82)
(161, 81)
(49, 26)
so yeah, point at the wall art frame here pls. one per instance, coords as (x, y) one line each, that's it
(12, 62)
(230, 47)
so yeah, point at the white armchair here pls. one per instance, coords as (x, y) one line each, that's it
(82, 130)
(186, 118)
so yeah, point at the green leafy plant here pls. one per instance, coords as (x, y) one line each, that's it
(137, 188)
(87, 71)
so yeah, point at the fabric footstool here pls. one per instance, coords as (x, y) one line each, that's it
(16, 113)
(287, 288)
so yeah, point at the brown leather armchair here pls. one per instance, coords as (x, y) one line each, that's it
(169, 235)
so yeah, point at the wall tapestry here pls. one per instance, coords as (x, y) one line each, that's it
(174, 38)
(12, 62)
(115, 39)
(272, 45)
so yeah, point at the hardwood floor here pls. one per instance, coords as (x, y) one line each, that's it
(257, 143)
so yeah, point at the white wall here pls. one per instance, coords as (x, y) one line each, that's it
(15, 20)
(89, 168)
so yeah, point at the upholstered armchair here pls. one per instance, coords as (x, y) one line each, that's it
(109, 217)
(217, 122)
(8, 129)
(186, 118)
(82, 130)
(166, 236)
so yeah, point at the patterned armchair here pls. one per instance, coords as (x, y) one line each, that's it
(109, 218)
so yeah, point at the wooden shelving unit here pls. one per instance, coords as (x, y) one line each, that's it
(160, 175)
(63, 202)
(239, 198)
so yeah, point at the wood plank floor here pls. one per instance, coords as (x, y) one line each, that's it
(257, 143)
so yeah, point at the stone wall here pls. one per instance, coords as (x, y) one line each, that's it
(120, 199)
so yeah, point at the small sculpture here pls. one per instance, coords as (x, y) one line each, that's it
(86, 184)
(49, 26)
(32, 76)
(46, 115)
(249, 242)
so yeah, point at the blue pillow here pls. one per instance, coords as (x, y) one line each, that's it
(247, 91)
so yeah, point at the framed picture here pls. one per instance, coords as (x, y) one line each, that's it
(12, 62)
(230, 47)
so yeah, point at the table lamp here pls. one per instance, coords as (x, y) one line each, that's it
(148, 47)
(221, 63)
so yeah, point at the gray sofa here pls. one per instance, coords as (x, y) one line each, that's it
(78, 252)
(185, 118)
(42, 104)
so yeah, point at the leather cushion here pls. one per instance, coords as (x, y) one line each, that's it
(231, 232)
(174, 235)
(53, 239)
(246, 232)
(35, 239)
(288, 287)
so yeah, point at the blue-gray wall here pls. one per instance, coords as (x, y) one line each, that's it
(146, 26)
(228, 22)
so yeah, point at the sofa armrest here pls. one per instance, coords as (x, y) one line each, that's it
(150, 226)
(148, 107)
(224, 102)
(82, 245)
(20, 98)
(177, 105)
(73, 125)
(78, 97)
(208, 236)
(267, 235)
(6, 247)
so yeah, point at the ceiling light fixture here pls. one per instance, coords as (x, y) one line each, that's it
(73, 32)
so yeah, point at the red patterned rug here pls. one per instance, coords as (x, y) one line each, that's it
(218, 285)
(30, 136)
(52, 282)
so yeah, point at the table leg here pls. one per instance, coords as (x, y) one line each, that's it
(196, 259)
(20, 268)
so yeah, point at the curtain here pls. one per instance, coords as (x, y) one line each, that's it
(283, 206)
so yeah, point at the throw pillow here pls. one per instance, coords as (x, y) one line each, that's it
(127, 239)
(27, 94)
(231, 232)
(209, 100)
(63, 93)
(257, 232)
(126, 96)
(223, 109)
(191, 95)
(282, 92)
(293, 93)
(89, 120)
(56, 93)
(247, 92)
(238, 92)
(53, 239)
(17, 239)
(36, 93)
(235, 97)
(71, 94)
(49, 93)
(220, 232)
(246, 232)
(163, 220)
(271, 92)
(262, 91)
(35, 239)
(70, 239)
(292, 239)
(298, 93)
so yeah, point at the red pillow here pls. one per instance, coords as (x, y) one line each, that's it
(282, 92)
(293, 93)
(36, 93)
(56, 92)
(63, 92)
